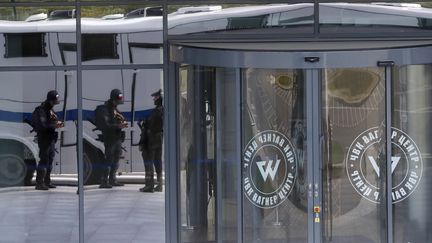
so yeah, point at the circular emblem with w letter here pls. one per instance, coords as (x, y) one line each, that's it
(269, 169)
(366, 158)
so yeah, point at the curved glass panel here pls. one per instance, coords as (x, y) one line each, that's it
(197, 153)
(412, 185)
(374, 17)
(274, 155)
(353, 108)
(208, 154)
(246, 19)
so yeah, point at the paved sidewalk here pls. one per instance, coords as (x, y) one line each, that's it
(121, 214)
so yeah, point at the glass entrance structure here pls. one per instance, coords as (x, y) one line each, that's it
(283, 121)
(286, 145)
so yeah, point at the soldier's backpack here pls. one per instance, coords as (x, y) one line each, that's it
(36, 120)
(100, 113)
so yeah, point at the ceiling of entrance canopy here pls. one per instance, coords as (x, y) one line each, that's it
(309, 46)
(299, 18)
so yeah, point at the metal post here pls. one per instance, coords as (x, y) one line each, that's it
(80, 125)
(188, 225)
(387, 192)
(277, 222)
(309, 135)
(172, 185)
(316, 154)
(219, 184)
(239, 149)
(388, 121)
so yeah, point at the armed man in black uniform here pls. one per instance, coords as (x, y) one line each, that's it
(113, 136)
(45, 123)
(151, 145)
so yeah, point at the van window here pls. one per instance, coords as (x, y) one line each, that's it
(99, 46)
(25, 45)
(250, 22)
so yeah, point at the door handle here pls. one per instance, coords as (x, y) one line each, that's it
(312, 59)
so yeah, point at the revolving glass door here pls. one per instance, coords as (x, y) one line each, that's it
(295, 146)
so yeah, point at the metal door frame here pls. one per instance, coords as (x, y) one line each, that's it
(312, 62)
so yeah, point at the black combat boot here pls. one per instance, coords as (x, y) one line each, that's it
(104, 180)
(147, 188)
(149, 181)
(112, 175)
(116, 183)
(158, 188)
(40, 185)
(105, 184)
(113, 180)
(47, 179)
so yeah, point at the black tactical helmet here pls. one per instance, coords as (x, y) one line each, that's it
(116, 96)
(53, 97)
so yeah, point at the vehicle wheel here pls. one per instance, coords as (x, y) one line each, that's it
(91, 174)
(88, 168)
(31, 168)
(13, 170)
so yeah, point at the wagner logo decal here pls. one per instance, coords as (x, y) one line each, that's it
(269, 169)
(366, 158)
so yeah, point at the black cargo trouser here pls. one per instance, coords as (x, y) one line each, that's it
(46, 156)
(112, 156)
(152, 157)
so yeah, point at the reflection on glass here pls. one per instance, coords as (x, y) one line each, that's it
(208, 157)
(353, 108)
(372, 17)
(227, 152)
(130, 34)
(31, 14)
(38, 151)
(118, 108)
(197, 153)
(17, 1)
(46, 124)
(122, 11)
(274, 141)
(33, 36)
(291, 18)
(111, 35)
(412, 149)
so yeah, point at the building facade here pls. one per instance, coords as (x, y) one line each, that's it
(284, 121)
